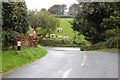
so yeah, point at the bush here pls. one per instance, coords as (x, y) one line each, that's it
(63, 16)
(100, 45)
(60, 43)
(112, 42)
(9, 39)
(109, 43)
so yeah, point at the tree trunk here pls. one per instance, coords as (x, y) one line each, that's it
(43, 36)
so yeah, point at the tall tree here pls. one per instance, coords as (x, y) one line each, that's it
(15, 16)
(0, 37)
(89, 18)
(32, 18)
(47, 23)
(14, 21)
(44, 22)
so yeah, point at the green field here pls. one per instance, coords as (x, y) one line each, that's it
(67, 30)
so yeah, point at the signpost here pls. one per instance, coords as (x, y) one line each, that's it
(18, 44)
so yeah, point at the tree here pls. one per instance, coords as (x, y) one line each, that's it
(0, 26)
(32, 18)
(47, 23)
(58, 9)
(14, 21)
(44, 22)
(89, 18)
(15, 16)
(112, 26)
(73, 9)
(43, 9)
(63, 7)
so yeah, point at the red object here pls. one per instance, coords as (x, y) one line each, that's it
(19, 38)
(33, 29)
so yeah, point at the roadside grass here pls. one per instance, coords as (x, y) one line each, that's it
(11, 60)
(108, 49)
(0, 63)
(67, 30)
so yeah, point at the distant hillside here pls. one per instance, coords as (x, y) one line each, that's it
(66, 28)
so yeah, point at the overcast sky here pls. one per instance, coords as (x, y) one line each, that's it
(38, 4)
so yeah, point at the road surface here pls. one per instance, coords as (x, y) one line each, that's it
(70, 63)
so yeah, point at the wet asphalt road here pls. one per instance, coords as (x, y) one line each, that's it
(70, 63)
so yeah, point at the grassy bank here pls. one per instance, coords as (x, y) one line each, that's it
(0, 62)
(10, 59)
(108, 50)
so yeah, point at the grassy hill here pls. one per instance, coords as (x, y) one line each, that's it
(67, 30)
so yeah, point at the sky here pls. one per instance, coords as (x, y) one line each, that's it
(38, 4)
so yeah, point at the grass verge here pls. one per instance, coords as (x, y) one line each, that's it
(108, 50)
(11, 60)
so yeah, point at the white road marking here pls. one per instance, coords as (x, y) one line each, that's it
(66, 73)
(84, 60)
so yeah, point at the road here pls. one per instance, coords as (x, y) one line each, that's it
(70, 63)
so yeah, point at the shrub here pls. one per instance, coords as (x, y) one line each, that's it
(112, 41)
(63, 16)
(61, 43)
(100, 45)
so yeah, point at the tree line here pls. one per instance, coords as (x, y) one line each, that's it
(99, 22)
(17, 19)
(14, 17)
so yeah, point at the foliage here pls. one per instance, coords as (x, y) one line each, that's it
(14, 22)
(63, 16)
(73, 9)
(112, 41)
(10, 59)
(89, 18)
(43, 9)
(58, 9)
(47, 23)
(66, 31)
(32, 18)
(109, 43)
(100, 45)
(44, 22)
(9, 39)
(58, 43)
(14, 17)
(112, 25)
